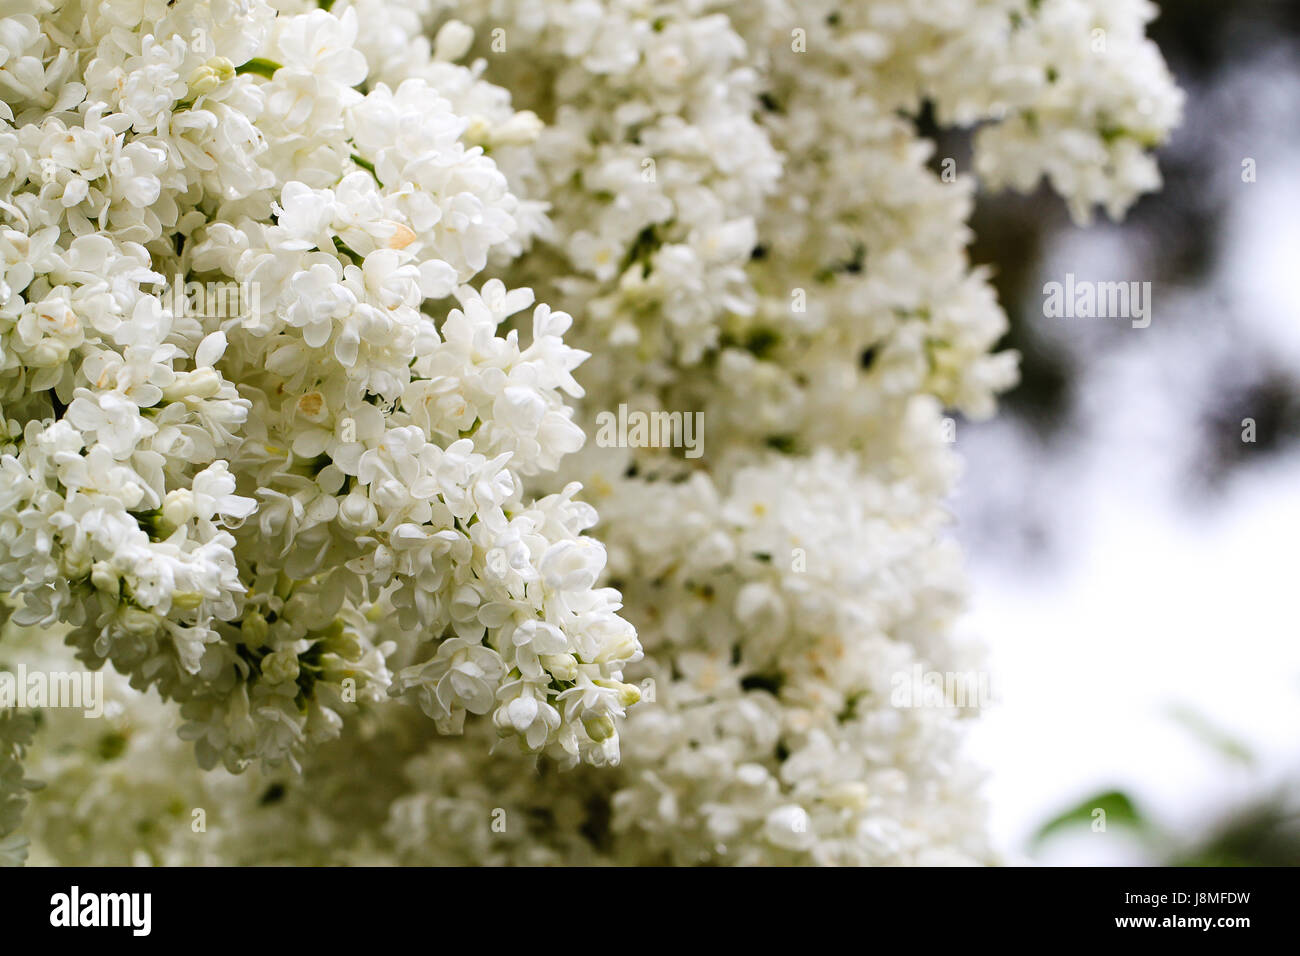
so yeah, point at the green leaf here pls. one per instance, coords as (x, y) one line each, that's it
(369, 167)
(1119, 809)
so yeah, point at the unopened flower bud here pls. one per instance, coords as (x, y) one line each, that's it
(178, 507)
(561, 666)
(186, 600)
(254, 628)
(599, 728)
(628, 694)
(210, 76)
(347, 646)
(280, 667)
(102, 576)
(357, 512)
(200, 383)
(520, 130)
(138, 621)
(453, 40)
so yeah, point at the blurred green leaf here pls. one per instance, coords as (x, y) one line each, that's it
(1118, 807)
(1212, 735)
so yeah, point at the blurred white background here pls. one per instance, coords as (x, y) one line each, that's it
(1133, 561)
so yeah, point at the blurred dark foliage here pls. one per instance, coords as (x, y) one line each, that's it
(1270, 398)
(1265, 834)
(1208, 44)
(1204, 42)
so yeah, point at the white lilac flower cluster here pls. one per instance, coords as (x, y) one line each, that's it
(264, 511)
(733, 201)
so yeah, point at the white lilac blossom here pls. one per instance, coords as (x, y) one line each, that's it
(367, 485)
(278, 513)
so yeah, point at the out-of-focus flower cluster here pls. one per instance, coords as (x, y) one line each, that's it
(733, 202)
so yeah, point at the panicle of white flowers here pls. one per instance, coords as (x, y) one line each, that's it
(264, 511)
(747, 222)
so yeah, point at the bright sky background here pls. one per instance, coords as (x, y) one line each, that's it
(1149, 593)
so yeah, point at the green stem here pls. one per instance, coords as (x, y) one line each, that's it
(369, 167)
(342, 247)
